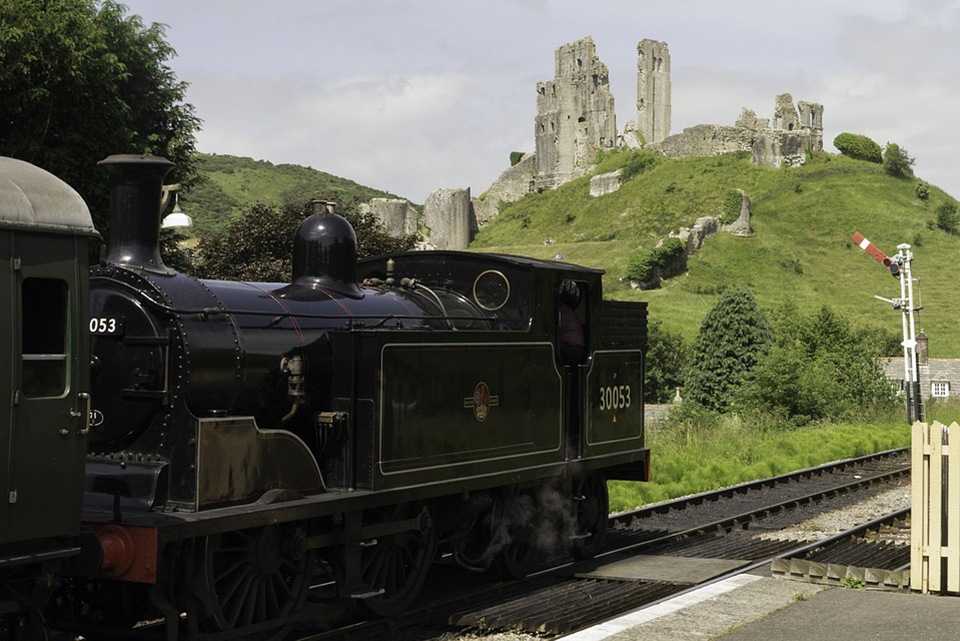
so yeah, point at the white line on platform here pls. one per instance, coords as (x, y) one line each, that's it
(637, 617)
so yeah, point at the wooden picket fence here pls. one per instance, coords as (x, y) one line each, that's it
(935, 508)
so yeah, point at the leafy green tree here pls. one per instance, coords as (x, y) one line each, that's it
(667, 356)
(897, 162)
(858, 147)
(81, 80)
(821, 367)
(734, 336)
(258, 246)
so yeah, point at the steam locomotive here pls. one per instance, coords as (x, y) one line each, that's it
(198, 453)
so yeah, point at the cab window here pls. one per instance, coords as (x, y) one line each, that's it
(44, 337)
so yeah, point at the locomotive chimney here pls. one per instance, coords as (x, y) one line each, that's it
(325, 252)
(135, 190)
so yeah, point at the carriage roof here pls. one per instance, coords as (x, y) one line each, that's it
(33, 198)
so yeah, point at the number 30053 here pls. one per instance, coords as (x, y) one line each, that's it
(615, 397)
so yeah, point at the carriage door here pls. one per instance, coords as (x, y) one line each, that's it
(50, 409)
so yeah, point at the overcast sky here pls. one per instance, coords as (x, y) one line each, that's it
(414, 95)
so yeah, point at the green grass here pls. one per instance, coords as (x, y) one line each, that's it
(800, 250)
(701, 456)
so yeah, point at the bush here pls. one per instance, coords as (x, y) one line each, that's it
(896, 161)
(732, 204)
(515, 157)
(821, 367)
(636, 165)
(923, 190)
(947, 218)
(858, 147)
(643, 263)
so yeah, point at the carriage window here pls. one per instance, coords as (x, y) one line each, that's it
(44, 337)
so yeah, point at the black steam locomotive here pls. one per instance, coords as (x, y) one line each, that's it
(232, 444)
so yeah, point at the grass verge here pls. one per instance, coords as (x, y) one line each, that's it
(698, 456)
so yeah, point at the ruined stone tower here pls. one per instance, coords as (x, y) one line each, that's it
(575, 115)
(653, 90)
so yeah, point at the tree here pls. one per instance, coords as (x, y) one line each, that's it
(667, 356)
(821, 367)
(733, 337)
(258, 246)
(897, 162)
(81, 80)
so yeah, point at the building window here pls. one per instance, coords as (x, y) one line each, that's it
(940, 389)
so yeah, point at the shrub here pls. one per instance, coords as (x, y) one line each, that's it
(732, 204)
(923, 190)
(858, 147)
(821, 367)
(896, 161)
(636, 165)
(640, 265)
(515, 157)
(947, 218)
(643, 263)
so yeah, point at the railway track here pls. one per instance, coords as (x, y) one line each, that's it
(652, 553)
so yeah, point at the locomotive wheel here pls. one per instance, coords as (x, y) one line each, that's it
(253, 577)
(593, 511)
(396, 563)
(516, 539)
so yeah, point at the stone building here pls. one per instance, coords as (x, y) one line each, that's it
(939, 378)
(575, 115)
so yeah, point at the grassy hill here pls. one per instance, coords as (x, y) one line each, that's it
(233, 184)
(800, 251)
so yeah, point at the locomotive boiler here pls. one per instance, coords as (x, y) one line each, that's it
(356, 422)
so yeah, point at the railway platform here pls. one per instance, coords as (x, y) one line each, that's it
(760, 607)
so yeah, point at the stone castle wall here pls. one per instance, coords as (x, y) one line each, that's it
(448, 214)
(397, 215)
(782, 140)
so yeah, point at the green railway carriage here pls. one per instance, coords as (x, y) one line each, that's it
(45, 229)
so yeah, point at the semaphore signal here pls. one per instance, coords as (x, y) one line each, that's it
(899, 266)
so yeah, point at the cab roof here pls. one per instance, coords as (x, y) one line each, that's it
(33, 198)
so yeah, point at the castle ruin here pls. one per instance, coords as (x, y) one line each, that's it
(653, 91)
(576, 118)
(784, 140)
(575, 115)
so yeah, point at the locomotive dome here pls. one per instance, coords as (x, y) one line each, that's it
(325, 252)
(33, 198)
